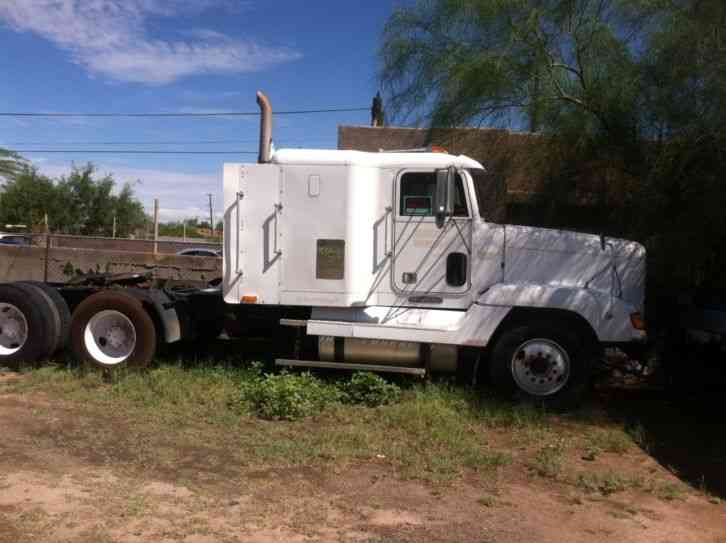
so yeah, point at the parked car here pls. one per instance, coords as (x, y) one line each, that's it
(200, 251)
(694, 351)
(15, 239)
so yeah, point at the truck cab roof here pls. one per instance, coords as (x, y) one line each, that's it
(374, 160)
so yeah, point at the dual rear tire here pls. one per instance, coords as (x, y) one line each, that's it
(34, 321)
(109, 329)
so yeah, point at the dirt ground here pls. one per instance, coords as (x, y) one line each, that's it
(50, 491)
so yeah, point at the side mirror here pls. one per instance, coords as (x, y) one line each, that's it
(445, 186)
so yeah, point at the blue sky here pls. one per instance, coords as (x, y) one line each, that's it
(181, 56)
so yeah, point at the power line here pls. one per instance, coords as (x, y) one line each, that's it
(186, 114)
(178, 142)
(132, 152)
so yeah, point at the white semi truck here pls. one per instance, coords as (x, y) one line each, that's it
(383, 261)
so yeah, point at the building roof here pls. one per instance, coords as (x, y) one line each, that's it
(514, 155)
(530, 164)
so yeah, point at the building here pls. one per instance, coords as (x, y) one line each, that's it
(542, 187)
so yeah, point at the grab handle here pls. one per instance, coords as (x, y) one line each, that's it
(278, 208)
(238, 235)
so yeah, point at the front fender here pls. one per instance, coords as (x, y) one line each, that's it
(608, 316)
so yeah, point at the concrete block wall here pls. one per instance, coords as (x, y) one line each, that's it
(28, 263)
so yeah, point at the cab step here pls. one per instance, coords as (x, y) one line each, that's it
(286, 362)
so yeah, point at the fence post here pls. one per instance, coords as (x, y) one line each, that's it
(47, 256)
(156, 225)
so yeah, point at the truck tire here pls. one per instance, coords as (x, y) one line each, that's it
(27, 330)
(111, 329)
(544, 363)
(61, 307)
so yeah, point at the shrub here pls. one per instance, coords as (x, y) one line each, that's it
(288, 396)
(370, 389)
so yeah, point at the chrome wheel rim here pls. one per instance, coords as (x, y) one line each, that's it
(13, 329)
(541, 367)
(110, 337)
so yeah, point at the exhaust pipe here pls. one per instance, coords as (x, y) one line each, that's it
(265, 128)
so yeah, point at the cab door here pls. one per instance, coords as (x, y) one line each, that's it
(430, 265)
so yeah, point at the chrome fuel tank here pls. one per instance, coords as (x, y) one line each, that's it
(391, 353)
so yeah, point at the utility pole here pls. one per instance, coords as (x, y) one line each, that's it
(184, 229)
(211, 215)
(113, 235)
(156, 225)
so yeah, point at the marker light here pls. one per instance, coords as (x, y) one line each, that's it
(637, 320)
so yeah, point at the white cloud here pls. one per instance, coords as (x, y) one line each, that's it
(110, 38)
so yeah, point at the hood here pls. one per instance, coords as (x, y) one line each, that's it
(574, 259)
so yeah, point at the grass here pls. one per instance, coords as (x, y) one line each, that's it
(610, 482)
(225, 419)
(548, 460)
(605, 483)
(487, 501)
(154, 418)
(609, 440)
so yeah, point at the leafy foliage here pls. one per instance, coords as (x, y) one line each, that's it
(629, 94)
(10, 163)
(194, 228)
(80, 203)
(370, 389)
(288, 396)
(291, 396)
(548, 62)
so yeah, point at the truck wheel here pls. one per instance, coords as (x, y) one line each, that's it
(61, 309)
(541, 362)
(112, 329)
(27, 331)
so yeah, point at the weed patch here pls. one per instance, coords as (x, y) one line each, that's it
(288, 396)
(605, 483)
(369, 389)
(548, 460)
(610, 440)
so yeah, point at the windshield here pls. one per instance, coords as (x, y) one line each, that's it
(486, 188)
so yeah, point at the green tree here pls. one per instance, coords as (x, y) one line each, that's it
(10, 163)
(634, 89)
(89, 205)
(554, 62)
(79, 203)
(27, 197)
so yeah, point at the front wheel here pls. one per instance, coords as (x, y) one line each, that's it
(541, 362)
(111, 330)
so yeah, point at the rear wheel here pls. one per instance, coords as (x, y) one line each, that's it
(61, 307)
(542, 362)
(111, 330)
(27, 330)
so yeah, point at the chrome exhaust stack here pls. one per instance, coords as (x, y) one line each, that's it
(265, 128)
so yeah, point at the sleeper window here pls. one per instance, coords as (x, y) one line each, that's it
(417, 195)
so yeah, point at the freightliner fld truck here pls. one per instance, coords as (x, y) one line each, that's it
(384, 261)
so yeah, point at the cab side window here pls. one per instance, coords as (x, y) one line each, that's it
(417, 194)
